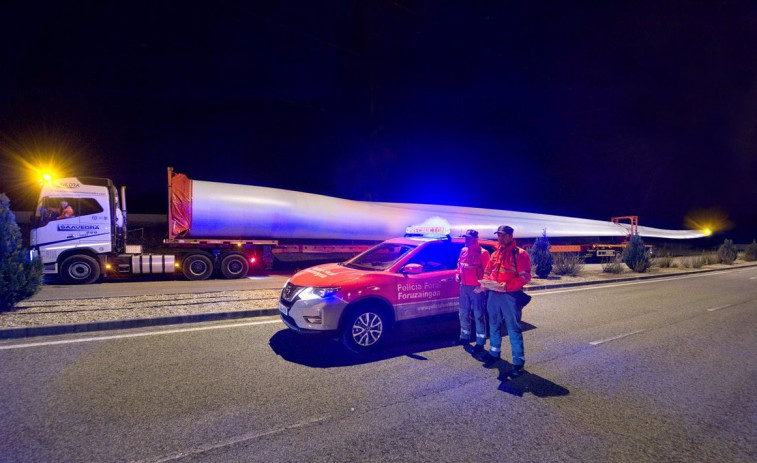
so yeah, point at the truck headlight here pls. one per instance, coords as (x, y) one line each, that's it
(311, 293)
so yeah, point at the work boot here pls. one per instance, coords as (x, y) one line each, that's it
(461, 342)
(490, 360)
(477, 349)
(516, 371)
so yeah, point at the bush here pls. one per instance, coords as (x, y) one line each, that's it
(727, 252)
(750, 253)
(541, 258)
(568, 263)
(635, 255)
(663, 262)
(20, 278)
(614, 265)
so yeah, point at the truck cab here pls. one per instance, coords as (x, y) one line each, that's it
(75, 223)
(360, 300)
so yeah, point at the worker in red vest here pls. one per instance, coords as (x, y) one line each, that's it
(470, 268)
(510, 268)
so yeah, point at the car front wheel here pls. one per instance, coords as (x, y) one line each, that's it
(365, 330)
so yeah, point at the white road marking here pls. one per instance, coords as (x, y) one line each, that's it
(616, 285)
(233, 440)
(596, 343)
(135, 335)
(753, 278)
(718, 308)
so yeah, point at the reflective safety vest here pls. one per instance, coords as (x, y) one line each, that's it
(510, 266)
(471, 265)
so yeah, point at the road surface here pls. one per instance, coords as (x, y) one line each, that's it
(655, 370)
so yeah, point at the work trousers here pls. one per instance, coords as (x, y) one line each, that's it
(502, 307)
(476, 303)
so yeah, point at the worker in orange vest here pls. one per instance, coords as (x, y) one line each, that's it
(510, 268)
(470, 268)
(66, 211)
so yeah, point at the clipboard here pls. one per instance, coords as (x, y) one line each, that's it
(491, 285)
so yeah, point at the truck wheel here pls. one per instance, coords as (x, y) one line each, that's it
(235, 266)
(197, 267)
(80, 270)
(366, 329)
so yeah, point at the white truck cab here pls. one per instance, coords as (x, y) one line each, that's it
(76, 222)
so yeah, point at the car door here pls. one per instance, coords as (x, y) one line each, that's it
(434, 291)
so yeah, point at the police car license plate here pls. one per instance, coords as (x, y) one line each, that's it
(283, 309)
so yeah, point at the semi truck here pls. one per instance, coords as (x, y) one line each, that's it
(80, 227)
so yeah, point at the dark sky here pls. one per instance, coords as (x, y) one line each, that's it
(589, 109)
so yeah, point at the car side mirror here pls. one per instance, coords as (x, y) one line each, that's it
(412, 269)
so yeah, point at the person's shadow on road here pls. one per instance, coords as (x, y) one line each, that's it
(527, 382)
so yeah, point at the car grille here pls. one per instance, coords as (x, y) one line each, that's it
(289, 292)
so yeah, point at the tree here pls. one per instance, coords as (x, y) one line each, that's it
(727, 252)
(750, 253)
(541, 257)
(20, 277)
(635, 255)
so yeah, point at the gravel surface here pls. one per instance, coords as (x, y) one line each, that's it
(89, 310)
(65, 312)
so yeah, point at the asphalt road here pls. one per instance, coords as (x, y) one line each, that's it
(656, 370)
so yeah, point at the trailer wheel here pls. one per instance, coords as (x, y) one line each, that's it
(234, 266)
(80, 270)
(197, 267)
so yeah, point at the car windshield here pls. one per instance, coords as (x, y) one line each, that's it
(379, 257)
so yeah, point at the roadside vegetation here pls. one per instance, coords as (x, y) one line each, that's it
(727, 252)
(750, 253)
(568, 264)
(692, 262)
(636, 256)
(613, 265)
(664, 262)
(541, 257)
(20, 278)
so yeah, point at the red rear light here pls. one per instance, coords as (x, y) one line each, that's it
(252, 260)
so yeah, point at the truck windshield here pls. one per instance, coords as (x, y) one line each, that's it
(380, 257)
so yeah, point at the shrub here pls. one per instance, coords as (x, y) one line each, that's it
(635, 255)
(708, 259)
(20, 278)
(568, 263)
(750, 253)
(727, 252)
(614, 265)
(541, 257)
(663, 262)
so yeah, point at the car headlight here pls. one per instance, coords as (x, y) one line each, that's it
(311, 293)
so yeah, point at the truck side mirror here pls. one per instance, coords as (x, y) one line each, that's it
(412, 269)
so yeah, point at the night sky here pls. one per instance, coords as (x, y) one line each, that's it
(591, 110)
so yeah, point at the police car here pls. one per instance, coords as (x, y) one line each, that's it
(362, 299)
